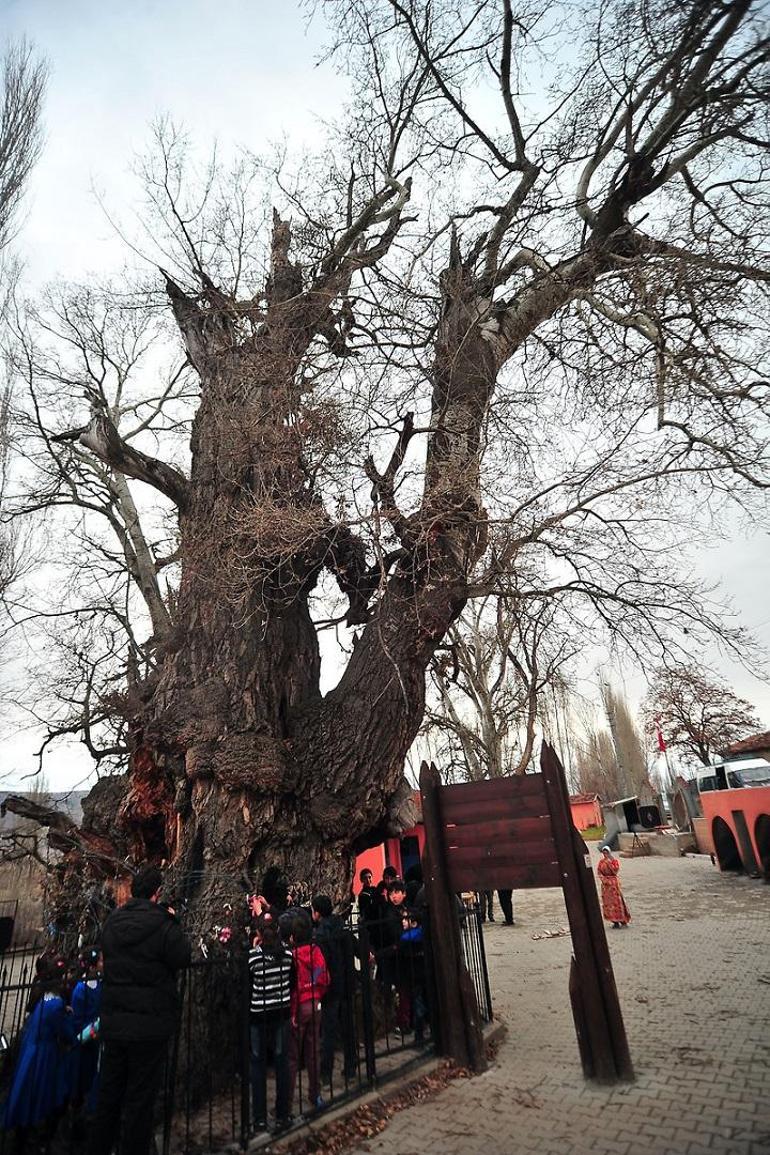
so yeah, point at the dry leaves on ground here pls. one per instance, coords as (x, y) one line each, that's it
(371, 1118)
(368, 1120)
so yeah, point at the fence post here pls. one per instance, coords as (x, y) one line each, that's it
(461, 1037)
(367, 1014)
(595, 1006)
(245, 1048)
(484, 967)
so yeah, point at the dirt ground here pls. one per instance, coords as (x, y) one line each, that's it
(693, 972)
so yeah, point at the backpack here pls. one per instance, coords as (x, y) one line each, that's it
(313, 978)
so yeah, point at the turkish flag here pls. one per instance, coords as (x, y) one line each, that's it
(661, 741)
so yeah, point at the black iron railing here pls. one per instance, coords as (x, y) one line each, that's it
(377, 1021)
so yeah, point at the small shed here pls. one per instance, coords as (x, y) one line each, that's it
(586, 810)
(621, 817)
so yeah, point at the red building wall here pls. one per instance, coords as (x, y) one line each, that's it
(388, 853)
(585, 814)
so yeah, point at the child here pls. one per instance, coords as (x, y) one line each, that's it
(272, 980)
(412, 1000)
(41, 1081)
(86, 1005)
(312, 983)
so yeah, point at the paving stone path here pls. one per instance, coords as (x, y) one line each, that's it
(689, 970)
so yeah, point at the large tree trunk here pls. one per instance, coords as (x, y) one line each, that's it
(239, 763)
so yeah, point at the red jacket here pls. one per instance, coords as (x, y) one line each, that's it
(313, 980)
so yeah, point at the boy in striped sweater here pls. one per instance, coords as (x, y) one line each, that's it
(272, 983)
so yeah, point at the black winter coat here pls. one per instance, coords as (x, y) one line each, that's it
(143, 947)
(338, 947)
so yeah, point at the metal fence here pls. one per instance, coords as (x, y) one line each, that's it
(377, 1021)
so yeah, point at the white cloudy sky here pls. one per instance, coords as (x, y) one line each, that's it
(244, 72)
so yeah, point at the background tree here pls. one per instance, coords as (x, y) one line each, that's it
(487, 682)
(698, 715)
(23, 79)
(628, 743)
(597, 766)
(490, 346)
(22, 88)
(612, 761)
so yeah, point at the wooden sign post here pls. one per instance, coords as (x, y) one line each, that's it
(517, 832)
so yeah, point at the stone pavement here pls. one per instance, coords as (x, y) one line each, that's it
(688, 970)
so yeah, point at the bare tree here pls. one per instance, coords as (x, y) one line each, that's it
(22, 87)
(491, 346)
(23, 79)
(597, 766)
(698, 715)
(114, 559)
(487, 682)
(630, 757)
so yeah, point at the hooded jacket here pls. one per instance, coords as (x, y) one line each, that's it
(312, 973)
(143, 947)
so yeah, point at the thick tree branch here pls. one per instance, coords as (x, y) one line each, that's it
(104, 441)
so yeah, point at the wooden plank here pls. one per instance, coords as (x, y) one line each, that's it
(501, 831)
(495, 810)
(601, 951)
(484, 876)
(516, 854)
(598, 1041)
(461, 1035)
(515, 786)
(579, 1017)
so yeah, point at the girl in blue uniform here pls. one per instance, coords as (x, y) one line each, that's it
(86, 1006)
(41, 1081)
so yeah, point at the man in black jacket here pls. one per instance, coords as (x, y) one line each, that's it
(143, 947)
(337, 1008)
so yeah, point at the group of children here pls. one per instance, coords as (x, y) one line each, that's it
(393, 913)
(56, 1065)
(302, 965)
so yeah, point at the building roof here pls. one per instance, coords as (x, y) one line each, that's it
(579, 798)
(749, 745)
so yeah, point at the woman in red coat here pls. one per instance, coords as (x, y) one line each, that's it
(614, 906)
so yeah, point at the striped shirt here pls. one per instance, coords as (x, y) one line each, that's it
(271, 982)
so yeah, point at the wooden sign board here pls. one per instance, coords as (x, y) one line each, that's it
(517, 833)
(498, 834)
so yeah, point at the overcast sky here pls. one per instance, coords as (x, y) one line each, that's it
(244, 72)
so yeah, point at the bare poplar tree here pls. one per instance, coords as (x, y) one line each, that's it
(492, 345)
(630, 757)
(597, 766)
(22, 88)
